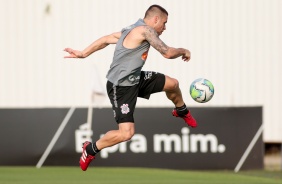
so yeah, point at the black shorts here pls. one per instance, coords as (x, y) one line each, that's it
(123, 98)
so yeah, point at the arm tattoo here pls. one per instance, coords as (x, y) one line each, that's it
(153, 38)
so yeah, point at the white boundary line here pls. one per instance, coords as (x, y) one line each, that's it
(248, 150)
(55, 138)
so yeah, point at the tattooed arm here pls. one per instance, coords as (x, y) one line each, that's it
(168, 52)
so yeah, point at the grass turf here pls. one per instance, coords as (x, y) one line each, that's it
(99, 175)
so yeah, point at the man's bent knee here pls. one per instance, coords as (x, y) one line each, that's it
(127, 136)
(126, 131)
(171, 84)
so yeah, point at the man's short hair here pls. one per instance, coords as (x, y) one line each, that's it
(154, 8)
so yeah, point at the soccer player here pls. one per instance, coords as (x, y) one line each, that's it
(126, 81)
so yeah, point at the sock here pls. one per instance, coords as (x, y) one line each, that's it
(181, 111)
(92, 149)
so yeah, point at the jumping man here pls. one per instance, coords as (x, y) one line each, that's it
(126, 81)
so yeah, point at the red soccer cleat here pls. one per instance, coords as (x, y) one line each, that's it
(188, 118)
(85, 159)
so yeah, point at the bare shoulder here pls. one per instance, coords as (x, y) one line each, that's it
(134, 38)
(152, 37)
(138, 32)
(146, 32)
(149, 31)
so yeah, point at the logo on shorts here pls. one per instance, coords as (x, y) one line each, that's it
(148, 75)
(124, 109)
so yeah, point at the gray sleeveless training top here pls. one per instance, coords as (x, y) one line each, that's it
(126, 67)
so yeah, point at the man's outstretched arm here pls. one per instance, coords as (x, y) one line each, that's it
(95, 46)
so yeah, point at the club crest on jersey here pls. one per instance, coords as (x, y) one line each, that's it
(124, 109)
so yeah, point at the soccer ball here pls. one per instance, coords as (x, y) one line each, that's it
(201, 90)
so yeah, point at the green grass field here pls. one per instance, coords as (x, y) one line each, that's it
(73, 175)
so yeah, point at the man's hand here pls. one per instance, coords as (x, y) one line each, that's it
(73, 53)
(186, 57)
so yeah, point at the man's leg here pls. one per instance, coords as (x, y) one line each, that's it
(113, 137)
(174, 94)
(173, 91)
